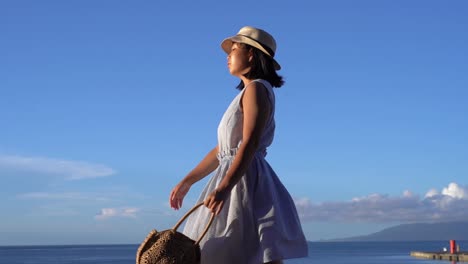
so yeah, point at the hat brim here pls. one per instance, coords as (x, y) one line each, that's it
(227, 44)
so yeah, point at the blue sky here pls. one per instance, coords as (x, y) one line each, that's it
(106, 105)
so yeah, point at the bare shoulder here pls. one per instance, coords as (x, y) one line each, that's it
(256, 86)
(255, 93)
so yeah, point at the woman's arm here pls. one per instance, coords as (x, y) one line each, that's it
(205, 167)
(256, 109)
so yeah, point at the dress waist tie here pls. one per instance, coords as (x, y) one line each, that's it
(230, 153)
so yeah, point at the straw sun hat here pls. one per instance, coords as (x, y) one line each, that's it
(254, 37)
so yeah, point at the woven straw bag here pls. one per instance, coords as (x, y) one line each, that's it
(170, 246)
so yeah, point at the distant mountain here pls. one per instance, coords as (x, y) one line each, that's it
(417, 232)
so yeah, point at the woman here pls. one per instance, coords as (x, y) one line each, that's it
(256, 219)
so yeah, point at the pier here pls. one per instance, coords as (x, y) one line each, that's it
(459, 256)
(455, 255)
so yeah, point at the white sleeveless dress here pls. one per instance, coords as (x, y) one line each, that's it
(259, 221)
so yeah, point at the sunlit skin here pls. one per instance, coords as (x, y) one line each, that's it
(239, 61)
(256, 109)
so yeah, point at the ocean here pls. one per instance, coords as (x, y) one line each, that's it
(319, 252)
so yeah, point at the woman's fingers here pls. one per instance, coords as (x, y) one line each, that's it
(177, 195)
(171, 199)
(174, 199)
(209, 202)
(213, 203)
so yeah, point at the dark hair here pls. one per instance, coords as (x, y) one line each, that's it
(262, 68)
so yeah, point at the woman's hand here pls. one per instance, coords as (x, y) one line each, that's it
(177, 195)
(215, 200)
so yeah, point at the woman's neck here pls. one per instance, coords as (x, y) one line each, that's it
(246, 80)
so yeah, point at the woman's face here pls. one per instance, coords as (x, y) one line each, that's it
(239, 59)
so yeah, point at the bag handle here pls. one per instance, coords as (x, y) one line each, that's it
(187, 215)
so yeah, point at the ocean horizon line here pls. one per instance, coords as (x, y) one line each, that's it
(136, 244)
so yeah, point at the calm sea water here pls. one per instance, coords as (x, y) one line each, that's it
(319, 252)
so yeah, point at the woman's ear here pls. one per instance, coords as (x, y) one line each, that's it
(251, 55)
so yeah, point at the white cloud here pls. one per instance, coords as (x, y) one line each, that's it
(456, 191)
(408, 194)
(431, 193)
(53, 196)
(130, 212)
(73, 170)
(63, 196)
(451, 204)
(107, 213)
